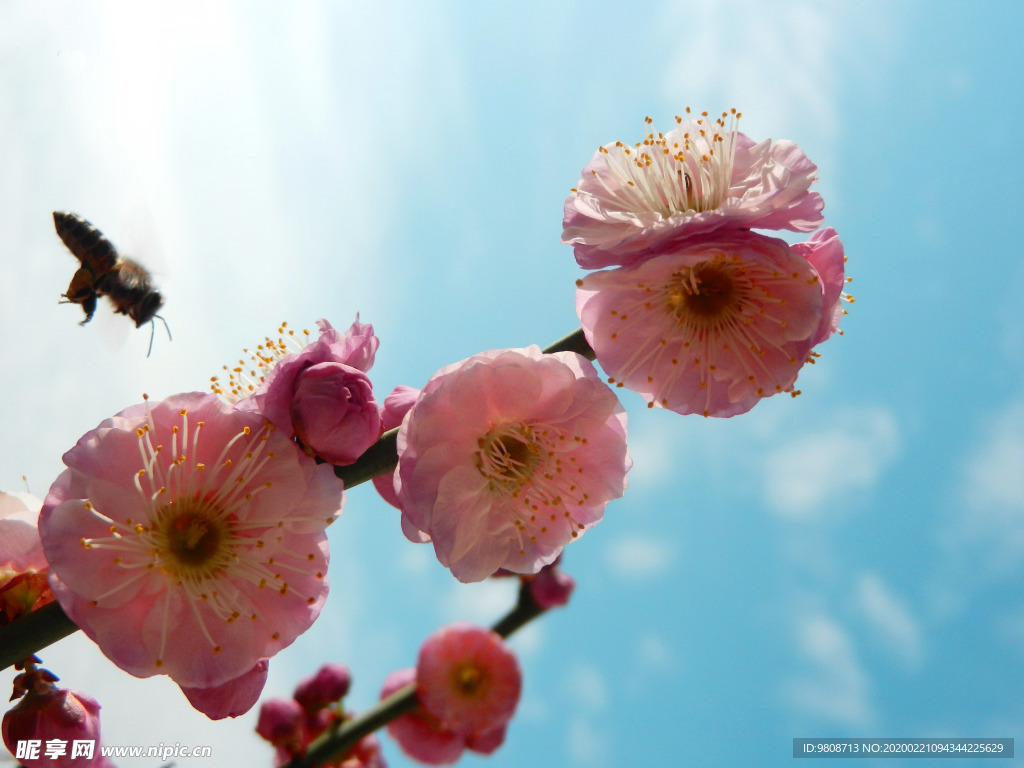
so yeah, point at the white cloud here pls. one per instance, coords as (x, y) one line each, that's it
(807, 473)
(482, 602)
(995, 473)
(587, 687)
(992, 492)
(655, 456)
(654, 652)
(890, 618)
(588, 745)
(834, 687)
(774, 62)
(640, 557)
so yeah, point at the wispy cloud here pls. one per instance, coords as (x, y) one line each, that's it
(587, 687)
(890, 618)
(588, 745)
(834, 686)
(752, 54)
(640, 557)
(991, 514)
(809, 472)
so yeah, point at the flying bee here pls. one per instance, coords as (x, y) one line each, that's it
(105, 273)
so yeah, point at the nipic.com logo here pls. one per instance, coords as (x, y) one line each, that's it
(36, 749)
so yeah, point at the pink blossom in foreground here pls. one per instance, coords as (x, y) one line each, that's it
(425, 738)
(508, 456)
(187, 538)
(46, 713)
(319, 393)
(23, 566)
(714, 325)
(233, 698)
(700, 176)
(468, 678)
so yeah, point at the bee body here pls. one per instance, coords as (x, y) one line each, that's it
(103, 272)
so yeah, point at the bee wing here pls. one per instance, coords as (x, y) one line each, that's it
(133, 278)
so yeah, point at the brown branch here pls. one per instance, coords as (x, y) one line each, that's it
(337, 742)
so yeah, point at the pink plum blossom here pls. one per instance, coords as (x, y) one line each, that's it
(23, 566)
(468, 678)
(717, 323)
(426, 739)
(700, 176)
(46, 713)
(20, 548)
(508, 456)
(233, 698)
(318, 393)
(825, 253)
(187, 538)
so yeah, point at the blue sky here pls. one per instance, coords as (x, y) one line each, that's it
(847, 563)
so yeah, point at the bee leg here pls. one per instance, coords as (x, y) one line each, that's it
(89, 307)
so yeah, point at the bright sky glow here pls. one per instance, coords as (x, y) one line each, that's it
(845, 563)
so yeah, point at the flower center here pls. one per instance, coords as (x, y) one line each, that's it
(468, 679)
(193, 538)
(508, 456)
(707, 291)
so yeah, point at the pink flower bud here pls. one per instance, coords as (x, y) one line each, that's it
(328, 685)
(551, 587)
(321, 394)
(280, 723)
(47, 713)
(334, 412)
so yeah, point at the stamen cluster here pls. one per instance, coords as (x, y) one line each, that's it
(701, 176)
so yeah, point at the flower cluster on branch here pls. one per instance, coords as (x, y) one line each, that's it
(186, 536)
